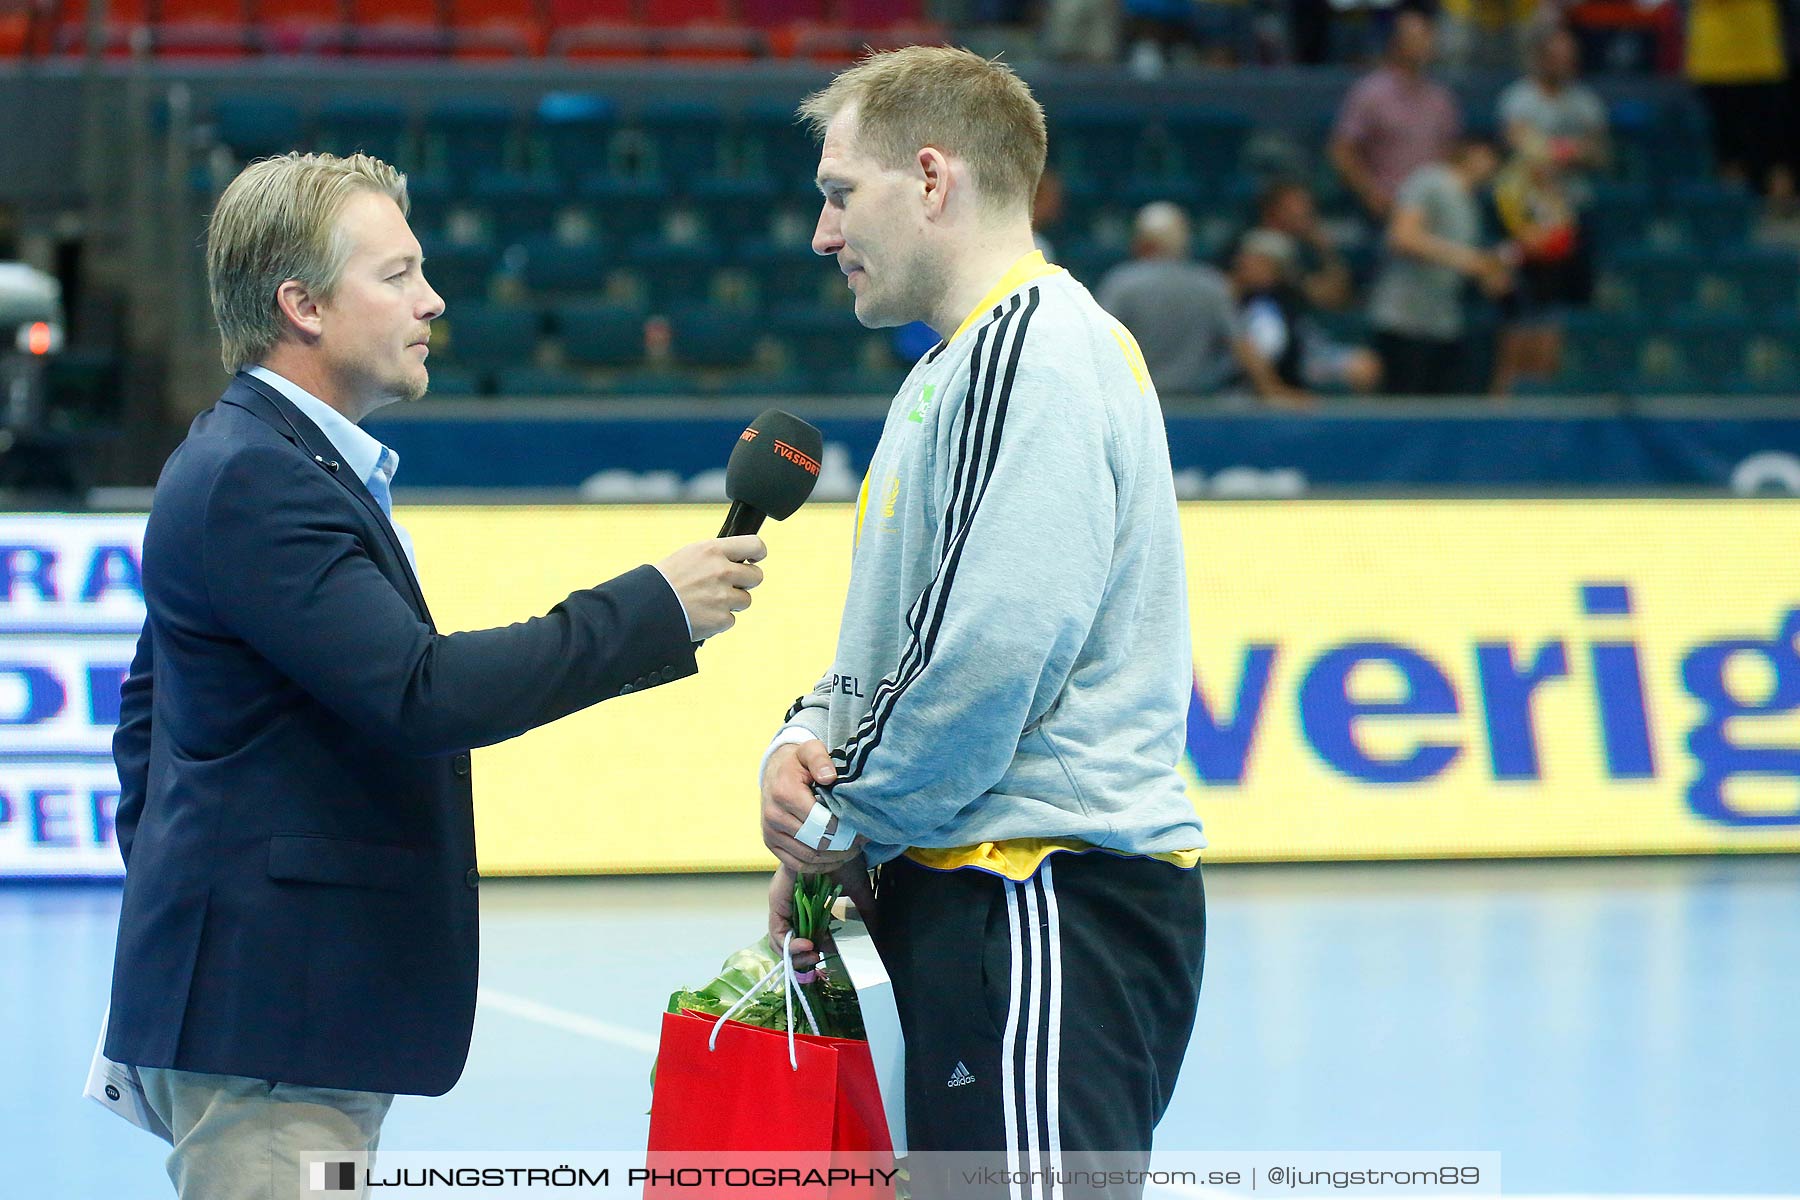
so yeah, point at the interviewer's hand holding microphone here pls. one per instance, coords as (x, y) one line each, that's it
(772, 470)
(713, 581)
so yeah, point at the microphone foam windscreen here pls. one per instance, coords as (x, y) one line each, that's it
(775, 464)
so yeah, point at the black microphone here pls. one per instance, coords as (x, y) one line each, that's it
(773, 469)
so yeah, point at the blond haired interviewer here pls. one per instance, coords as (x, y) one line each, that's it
(297, 938)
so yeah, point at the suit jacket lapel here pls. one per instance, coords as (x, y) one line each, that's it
(281, 415)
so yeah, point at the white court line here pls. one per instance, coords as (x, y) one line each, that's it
(563, 1019)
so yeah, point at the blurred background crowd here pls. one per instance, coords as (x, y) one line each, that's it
(1287, 200)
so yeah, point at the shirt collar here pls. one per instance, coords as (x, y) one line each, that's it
(361, 452)
(1029, 267)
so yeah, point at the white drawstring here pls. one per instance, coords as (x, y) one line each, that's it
(794, 989)
(790, 988)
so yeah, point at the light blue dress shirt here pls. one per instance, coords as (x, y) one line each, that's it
(373, 463)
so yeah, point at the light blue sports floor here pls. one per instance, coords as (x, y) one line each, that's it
(1621, 1027)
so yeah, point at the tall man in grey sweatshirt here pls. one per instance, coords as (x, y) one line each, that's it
(1000, 729)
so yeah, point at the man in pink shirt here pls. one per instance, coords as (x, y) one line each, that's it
(1395, 120)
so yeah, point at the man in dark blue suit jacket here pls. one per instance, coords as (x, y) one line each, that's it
(297, 940)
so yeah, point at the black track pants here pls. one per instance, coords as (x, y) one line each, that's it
(1045, 1020)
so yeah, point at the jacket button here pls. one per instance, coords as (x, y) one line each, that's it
(473, 878)
(669, 674)
(626, 689)
(460, 764)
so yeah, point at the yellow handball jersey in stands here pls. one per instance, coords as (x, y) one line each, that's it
(1735, 42)
(1013, 666)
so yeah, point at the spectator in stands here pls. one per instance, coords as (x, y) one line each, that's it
(1550, 116)
(1181, 311)
(1537, 211)
(1434, 248)
(1082, 30)
(1737, 62)
(1160, 32)
(1315, 268)
(1484, 34)
(1395, 120)
(1274, 311)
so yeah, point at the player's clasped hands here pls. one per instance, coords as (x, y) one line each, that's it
(714, 579)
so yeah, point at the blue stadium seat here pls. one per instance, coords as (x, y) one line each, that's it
(1670, 377)
(1093, 210)
(431, 199)
(1772, 359)
(861, 380)
(540, 381)
(253, 127)
(1081, 203)
(650, 382)
(713, 337)
(1619, 215)
(1760, 278)
(1710, 347)
(1098, 144)
(1600, 350)
(1714, 216)
(1660, 280)
(757, 383)
(1208, 142)
(735, 209)
(774, 145)
(516, 207)
(789, 274)
(1193, 195)
(674, 274)
(382, 130)
(484, 337)
(571, 135)
(466, 138)
(601, 335)
(686, 137)
(822, 341)
(454, 381)
(622, 207)
(563, 271)
(1661, 144)
(1679, 153)
(460, 273)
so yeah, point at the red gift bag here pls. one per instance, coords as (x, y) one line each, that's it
(741, 1101)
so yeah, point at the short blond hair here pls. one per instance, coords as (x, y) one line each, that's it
(957, 101)
(278, 221)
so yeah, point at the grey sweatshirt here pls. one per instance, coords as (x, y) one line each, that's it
(1014, 658)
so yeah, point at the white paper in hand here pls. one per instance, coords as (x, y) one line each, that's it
(117, 1086)
(881, 1021)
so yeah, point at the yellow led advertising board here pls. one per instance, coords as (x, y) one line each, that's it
(1373, 679)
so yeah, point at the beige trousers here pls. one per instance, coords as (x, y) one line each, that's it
(251, 1139)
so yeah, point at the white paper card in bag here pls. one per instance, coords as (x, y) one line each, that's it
(881, 1023)
(117, 1086)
